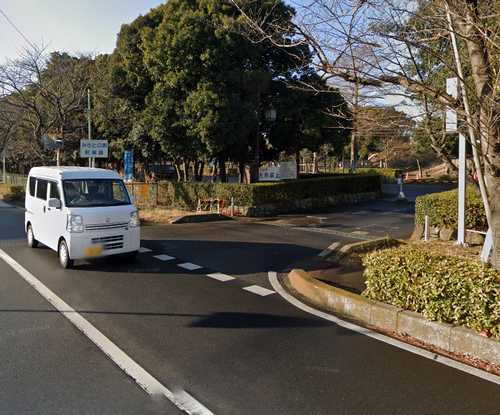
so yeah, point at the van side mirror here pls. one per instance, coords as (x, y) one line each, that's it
(55, 203)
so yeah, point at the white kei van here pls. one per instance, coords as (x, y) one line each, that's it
(80, 213)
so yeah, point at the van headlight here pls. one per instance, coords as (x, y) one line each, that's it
(134, 221)
(75, 223)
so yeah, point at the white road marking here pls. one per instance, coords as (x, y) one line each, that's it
(191, 405)
(189, 266)
(329, 250)
(256, 289)
(164, 257)
(220, 277)
(331, 232)
(360, 233)
(273, 279)
(143, 250)
(5, 205)
(144, 379)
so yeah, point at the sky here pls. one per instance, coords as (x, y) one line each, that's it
(68, 25)
(76, 26)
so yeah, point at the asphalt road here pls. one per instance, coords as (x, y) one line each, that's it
(235, 351)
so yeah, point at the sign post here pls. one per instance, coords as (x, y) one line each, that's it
(452, 127)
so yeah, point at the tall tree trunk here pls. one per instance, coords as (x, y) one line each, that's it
(199, 166)
(241, 169)
(178, 171)
(493, 184)
(222, 170)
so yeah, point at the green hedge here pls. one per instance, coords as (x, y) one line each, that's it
(442, 209)
(388, 175)
(11, 192)
(186, 195)
(442, 288)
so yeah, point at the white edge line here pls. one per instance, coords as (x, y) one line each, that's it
(273, 279)
(145, 380)
(190, 404)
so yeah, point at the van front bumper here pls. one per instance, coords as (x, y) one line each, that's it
(95, 244)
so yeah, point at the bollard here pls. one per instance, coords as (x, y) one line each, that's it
(232, 206)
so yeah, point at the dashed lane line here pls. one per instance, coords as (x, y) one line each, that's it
(220, 277)
(257, 289)
(144, 379)
(143, 250)
(164, 257)
(189, 266)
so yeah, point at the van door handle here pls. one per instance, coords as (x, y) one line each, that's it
(44, 209)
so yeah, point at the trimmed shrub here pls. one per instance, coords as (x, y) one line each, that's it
(442, 209)
(11, 192)
(443, 288)
(388, 175)
(186, 195)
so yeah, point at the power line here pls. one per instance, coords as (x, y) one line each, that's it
(17, 29)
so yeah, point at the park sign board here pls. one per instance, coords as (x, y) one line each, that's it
(94, 148)
(284, 170)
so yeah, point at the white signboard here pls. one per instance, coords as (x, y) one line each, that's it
(269, 173)
(451, 115)
(94, 148)
(283, 171)
(288, 170)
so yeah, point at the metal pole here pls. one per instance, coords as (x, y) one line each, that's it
(4, 171)
(89, 124)
(462, 168)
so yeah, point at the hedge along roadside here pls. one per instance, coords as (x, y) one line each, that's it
(442, 209)
(186, 195)
(443, 288)
(11, 192)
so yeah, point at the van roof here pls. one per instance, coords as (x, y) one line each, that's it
(73, 172)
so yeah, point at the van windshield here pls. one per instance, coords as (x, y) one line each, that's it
(95, 192)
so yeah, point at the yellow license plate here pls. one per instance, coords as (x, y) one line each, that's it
(94, 250)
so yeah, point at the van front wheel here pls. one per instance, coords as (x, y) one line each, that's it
(64, 258)
(32, 242)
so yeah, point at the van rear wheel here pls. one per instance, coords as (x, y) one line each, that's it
(32, 242)
(64, 259)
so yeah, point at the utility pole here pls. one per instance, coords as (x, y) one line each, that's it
(89, 122)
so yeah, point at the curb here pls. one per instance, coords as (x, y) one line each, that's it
(444, 336)
(210, 217)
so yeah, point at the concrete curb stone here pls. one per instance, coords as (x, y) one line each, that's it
(455, 339)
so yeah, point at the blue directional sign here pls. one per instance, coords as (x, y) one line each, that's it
(128, 161)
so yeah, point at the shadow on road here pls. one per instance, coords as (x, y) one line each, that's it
(229, 257)
(224, 320)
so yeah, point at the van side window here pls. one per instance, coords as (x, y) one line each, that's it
(54, 191)
(41, 189)
(32, 186)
